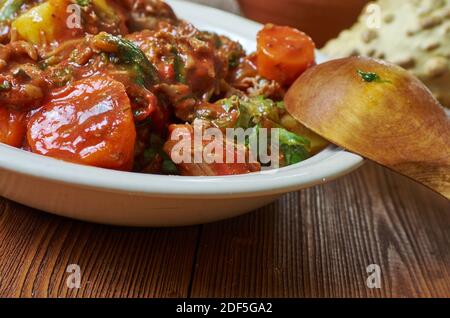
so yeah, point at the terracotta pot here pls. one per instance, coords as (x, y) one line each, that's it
(321, 19)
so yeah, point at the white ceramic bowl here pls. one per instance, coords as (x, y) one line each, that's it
(121, 198)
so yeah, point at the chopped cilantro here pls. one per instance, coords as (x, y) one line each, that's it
(168, 166)
(129, 54)
(256, 113)
(83, 3)
(233, 60)
(5, 86)
(178, 65)
(295, 148)
(371, 77)
(9, 9)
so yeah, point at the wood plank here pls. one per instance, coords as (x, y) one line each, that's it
(36, 248)
(319, 242)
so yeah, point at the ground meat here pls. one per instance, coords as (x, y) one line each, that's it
(245, 78)
(172, 74)
(147, 14)
(22, 83)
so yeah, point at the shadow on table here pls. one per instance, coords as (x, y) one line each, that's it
(313, 243)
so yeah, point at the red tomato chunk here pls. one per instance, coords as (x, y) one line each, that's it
(89, 122)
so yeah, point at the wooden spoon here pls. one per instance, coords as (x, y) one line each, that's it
(380, 111)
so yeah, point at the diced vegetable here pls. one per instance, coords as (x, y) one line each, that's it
(283, 53)
(130, 54)
(5, 86)
(9, 8)
(45, 23)
(317, 142)
(83, 3)
(268, 114)
(89, 122)
(168, 167)
(253, 110)
(234, 112)
(241, 112)
(12, 127)
(155, 160)
(293, 147)
(222, 168)
(178, 66)
(104, 6)
(105, 11)
(260, 113)
(222, 114)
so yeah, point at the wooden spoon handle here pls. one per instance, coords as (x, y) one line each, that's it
(379, 111)
(436, 177)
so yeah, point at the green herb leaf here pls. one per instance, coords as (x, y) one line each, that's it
(255, 112)
(130, 54)
(155, 152)
(5, 86)
(252, 110)
(178, 65)
(9, 8)
(83, 3)
(212, 37)
(20, 73)
(295, 148)
(371, 77)
(168, 166)
(233, 60)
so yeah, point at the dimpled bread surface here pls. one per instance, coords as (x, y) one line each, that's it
(414, 34)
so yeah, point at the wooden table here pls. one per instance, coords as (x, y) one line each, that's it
(314, 243)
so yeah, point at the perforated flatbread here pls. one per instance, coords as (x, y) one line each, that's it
(414, 34)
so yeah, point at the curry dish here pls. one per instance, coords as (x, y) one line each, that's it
(105, 83)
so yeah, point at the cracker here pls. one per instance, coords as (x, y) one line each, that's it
(414, 34)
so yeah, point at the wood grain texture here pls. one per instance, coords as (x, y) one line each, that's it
(314, 243)
(36, 248)
(318, 243)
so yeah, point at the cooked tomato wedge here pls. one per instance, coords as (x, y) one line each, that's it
(89, 122)
(283, 53)
(178, 133)
(12, 127)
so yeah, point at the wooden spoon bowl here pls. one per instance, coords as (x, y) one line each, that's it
(380, 111)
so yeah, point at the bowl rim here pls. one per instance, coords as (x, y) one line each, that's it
(331, 163)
